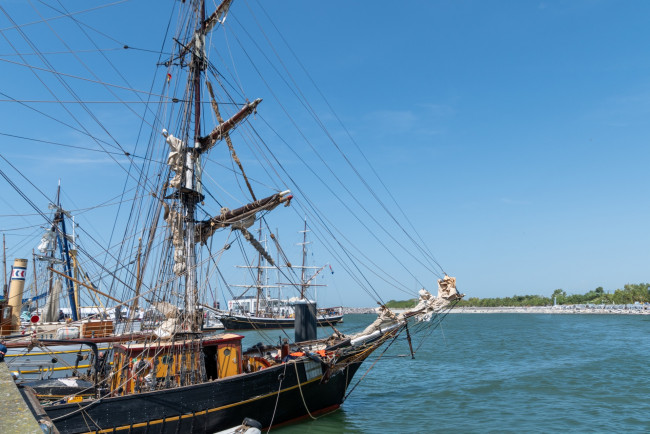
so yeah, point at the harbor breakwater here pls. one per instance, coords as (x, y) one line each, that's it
(629, 309)
(617, 309)
(351, 310)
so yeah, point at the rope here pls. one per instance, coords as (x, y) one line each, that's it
(78, 410)
(70, 14)
(373, 364)
(295, 365)
(439, 318)
(62, 52)
(277, 399)
(329, 167)
(329, 226)
(235, 158)
(84, 414)
(103, 83)
(422, 248)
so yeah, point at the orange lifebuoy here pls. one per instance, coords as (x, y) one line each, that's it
(259, 363)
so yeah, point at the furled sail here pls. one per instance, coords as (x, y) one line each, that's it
(447, 287)
(204, 229)
(218, 132)
(218, 16)
(251, 239)
(175, 221)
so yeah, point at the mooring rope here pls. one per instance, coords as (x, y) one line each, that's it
(295, 365)
(277, 399)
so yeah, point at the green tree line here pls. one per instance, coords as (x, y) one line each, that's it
(630, 293)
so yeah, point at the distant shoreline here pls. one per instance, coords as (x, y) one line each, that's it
(632, 309)
(562, 309)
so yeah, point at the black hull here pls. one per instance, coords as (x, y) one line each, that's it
(213, 406)
(55, 389)
(234, 322)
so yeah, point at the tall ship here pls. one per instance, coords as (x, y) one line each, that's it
(183, 220)
(269, 307)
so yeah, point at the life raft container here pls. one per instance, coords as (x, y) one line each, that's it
(67, 333)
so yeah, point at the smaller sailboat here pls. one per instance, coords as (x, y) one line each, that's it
(60, 322)
(265, 311)
(62, 302)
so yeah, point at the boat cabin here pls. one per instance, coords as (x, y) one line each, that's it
(248, 305)
(141, 367)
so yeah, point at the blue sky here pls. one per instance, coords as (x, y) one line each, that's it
(512, 134)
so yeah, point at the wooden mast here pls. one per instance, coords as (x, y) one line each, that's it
(35, 279)
(189, 200)
(138, 282)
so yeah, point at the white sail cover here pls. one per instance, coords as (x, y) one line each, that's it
(175, 159)
(46, 244)
(167, 328)
(167, 309)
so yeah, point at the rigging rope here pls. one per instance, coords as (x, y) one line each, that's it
(423, 246)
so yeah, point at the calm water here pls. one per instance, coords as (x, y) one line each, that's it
(505, 373)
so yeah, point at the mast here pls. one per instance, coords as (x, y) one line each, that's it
(197, 66)
(185, 161)
(4, 261)
(59, 218)
(305, 282)
(190, 199)
(138, 282)
(35, 277)
(51, 254)
(303, 285)
(259, 276)
(277, 269)
(65, 255)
